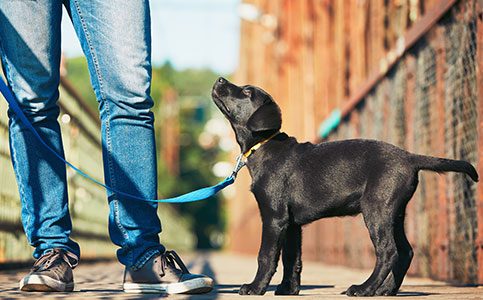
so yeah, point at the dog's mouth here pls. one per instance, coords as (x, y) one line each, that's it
(221, 105)
(225, 107)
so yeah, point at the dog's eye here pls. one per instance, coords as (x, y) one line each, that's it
(247, 92)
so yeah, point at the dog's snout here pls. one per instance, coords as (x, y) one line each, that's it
(217, 87)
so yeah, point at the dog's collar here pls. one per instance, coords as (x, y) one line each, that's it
(257, 146)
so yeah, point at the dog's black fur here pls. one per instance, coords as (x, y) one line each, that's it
(297, 183)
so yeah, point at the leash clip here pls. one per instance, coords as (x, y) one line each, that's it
(240, 163)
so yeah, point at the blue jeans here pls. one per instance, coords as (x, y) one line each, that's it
(116, 39)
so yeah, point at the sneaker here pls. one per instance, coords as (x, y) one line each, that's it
(165, 273)
(52, 272)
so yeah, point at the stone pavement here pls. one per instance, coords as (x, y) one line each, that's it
(103, 281)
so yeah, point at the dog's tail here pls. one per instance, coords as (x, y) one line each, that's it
(422, 162)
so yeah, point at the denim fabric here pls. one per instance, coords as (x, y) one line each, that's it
(116, 39)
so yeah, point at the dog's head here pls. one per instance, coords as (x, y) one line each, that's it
(250, 110)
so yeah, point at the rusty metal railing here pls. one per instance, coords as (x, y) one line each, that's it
(425, 98)
(80, 127)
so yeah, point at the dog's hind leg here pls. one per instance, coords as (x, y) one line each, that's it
(292, 261)
(380, 222)
(273, 234)
(405, 254)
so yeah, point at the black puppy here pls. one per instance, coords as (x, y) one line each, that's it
(297, 183)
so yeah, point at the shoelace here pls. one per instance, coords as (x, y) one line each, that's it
(171, 258)
(47, 259)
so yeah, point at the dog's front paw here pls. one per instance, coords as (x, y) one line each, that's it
(359, 291)
(251, 289)
(287, 288)
(388, 287)
(386, 290)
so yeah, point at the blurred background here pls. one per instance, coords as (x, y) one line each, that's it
(404, 71)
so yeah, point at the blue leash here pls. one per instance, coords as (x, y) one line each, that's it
(196, 195)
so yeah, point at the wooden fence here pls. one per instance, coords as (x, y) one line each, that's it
(406, 72)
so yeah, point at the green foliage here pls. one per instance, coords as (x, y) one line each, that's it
(194, 99)
(78, 74)
(195, 82)
(195, 172)
(193, 87)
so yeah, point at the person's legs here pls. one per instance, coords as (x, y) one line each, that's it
(30, 51)
(116, 39)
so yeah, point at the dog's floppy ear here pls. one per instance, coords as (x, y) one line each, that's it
(266, 117)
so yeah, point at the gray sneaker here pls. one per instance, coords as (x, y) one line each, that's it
(165, 273)
(52, 272)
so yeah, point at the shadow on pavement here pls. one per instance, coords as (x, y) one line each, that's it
(414, 294)
(207, 270)
(103, 281)
(233, 288)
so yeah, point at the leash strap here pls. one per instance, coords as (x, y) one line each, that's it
(196, 195)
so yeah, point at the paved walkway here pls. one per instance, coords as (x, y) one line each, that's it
(103, 281)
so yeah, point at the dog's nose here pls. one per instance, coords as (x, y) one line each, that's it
(221, 80)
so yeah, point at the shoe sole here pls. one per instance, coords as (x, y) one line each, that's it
(39, 283)
(193, 286)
